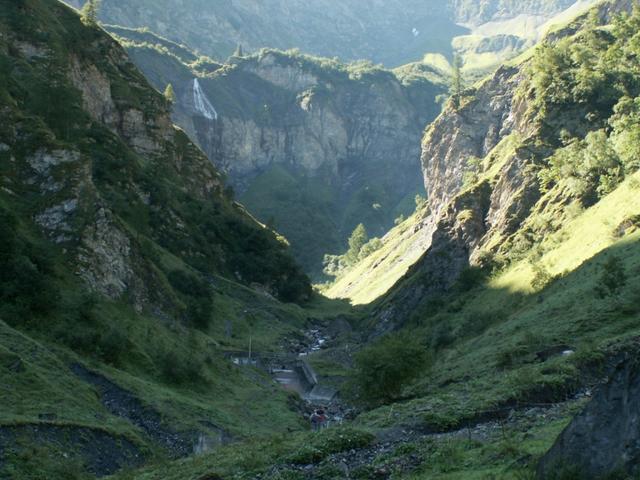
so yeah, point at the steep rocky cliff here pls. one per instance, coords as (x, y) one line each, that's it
(110, 137)
(311, 146)
(482, 161)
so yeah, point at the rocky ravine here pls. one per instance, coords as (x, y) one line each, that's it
(312, 146)
(459, 220)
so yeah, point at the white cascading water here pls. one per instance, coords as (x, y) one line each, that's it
(202, 103)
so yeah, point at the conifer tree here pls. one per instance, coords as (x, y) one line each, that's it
(456, 81)
(170, 94)
(358, 239)
(89, 12)
(239, 51)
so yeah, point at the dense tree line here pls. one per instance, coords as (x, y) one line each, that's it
(598, 74)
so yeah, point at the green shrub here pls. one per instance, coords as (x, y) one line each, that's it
(27, 284)
(512, 356)
(475, 323)
(613, 277)
(363, 472)
(112, 345)
(448, 456)
(442, 421)
(566, 473)
(442, 336)
(541, 278)
(178, 370)
(588, 355)
(508, 358)
(188, 283)
(471, 278)
(198, 298)
(370, 247)
(387, 365)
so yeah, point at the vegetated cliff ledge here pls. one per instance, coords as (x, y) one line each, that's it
(394, 32)
(311, 146)
(113, 138)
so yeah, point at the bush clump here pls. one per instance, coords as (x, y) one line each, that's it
(178, 370)
(387, 366)
(27, 284)
(197, 295)
(613, 277)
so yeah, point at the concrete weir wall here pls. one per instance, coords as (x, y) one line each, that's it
(291, 371)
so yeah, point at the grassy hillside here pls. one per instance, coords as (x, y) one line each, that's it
(125, 271)
(497, 348)
(373, 276)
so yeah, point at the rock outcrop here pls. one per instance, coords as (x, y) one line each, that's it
(463, 215)
(605, 438)
(469, 132)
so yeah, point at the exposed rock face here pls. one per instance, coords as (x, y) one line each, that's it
(96, 92)
(462, 221)
(145, 133)
(472, 131)
(105, 257)
(320, 125)
(604, 438)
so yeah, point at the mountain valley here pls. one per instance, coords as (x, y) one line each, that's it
(473, 230)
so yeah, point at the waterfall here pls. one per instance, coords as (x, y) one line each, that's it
(202, 103)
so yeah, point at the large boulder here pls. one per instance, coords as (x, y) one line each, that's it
(605, 437)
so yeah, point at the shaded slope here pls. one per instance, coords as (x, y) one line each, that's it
(121, 254)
